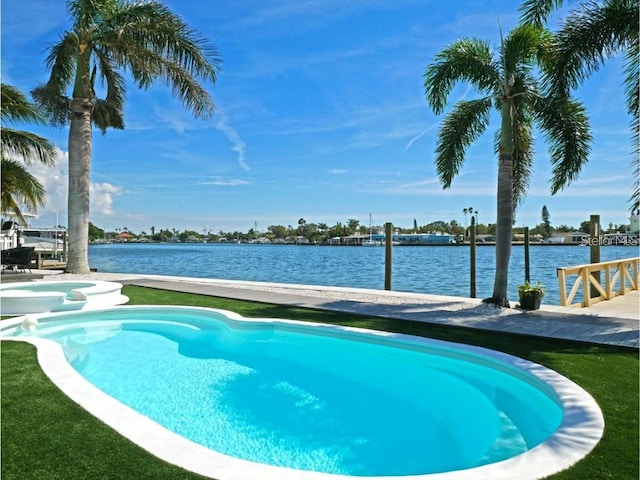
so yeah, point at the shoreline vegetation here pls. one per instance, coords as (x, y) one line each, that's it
(37, 414)
(631, 243)
(353, 233)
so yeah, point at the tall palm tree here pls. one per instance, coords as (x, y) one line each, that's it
(589, 36)
(19, 149)
(506, 79)
(107, 38)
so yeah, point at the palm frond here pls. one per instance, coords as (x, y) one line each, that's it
(460, 128)
(53, 103)
(193, 95)
(104, 116)
(18, 144)
(110, 111)
(52, 95)
(147, 66)
(524, 47)
(632, 88)
(16, 108)
(467, 60)
(635, 196)
(18, 186)
(27, 146)
(591, 35)
(536, 12)
(565, 125)
(61, 62)
(153, 43)
(632, 91)
(166, 33)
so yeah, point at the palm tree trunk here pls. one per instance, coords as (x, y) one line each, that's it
(79, 183)
(504, 223)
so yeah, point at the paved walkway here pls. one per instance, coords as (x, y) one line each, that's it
(615, 322)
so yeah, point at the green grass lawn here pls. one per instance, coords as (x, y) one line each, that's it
(47, 436)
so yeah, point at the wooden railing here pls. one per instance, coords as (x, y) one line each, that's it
(620, 277)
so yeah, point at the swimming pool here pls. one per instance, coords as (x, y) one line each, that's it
(283, 399)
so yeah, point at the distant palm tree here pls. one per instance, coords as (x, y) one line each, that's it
(19, 149)
(590, 35)
(506, 79)
(301, 224)
(106, 38)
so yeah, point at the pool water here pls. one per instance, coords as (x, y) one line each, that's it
(344, 403)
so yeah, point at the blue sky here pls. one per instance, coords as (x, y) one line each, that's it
(320, 115)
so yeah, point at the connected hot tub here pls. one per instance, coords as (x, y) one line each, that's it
(40, 297)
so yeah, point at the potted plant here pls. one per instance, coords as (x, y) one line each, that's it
(530, 295)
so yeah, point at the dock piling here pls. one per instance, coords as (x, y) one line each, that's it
(388, 257)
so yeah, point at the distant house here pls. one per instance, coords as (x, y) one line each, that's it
(125, 237)
(568, 238)
(485, 238)
(423, 238)
(519, 237)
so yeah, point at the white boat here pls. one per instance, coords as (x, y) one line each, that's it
(371, 242)
(41, 242)
(48, 243)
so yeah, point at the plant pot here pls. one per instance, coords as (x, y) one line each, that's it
(530, 300)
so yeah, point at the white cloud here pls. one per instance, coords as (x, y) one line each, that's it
(231, 182)
(102, 197)
(238, 144)
(56, 183)
(173, 119)
(419, 136)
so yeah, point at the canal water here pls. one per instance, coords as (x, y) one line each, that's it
(439, 270)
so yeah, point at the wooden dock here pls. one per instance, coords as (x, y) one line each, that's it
(598, 282)
(625, 306)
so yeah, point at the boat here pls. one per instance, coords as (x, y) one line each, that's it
(432, 238)
(371, 242)
(49, 244)
(43, 240)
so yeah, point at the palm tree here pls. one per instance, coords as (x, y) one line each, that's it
(507, 81)
(589, 36)
(301, 224)
(108, 37)
(19, 149)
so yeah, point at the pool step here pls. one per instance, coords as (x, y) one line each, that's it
(508, 444)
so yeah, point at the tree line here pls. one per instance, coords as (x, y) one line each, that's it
(322, 233)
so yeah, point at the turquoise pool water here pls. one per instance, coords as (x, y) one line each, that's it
(308, 397)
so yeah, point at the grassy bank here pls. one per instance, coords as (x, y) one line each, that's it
(46, 436)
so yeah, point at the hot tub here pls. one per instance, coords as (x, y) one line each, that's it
(40, 297)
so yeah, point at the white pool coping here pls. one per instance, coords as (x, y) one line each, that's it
(581, 428)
